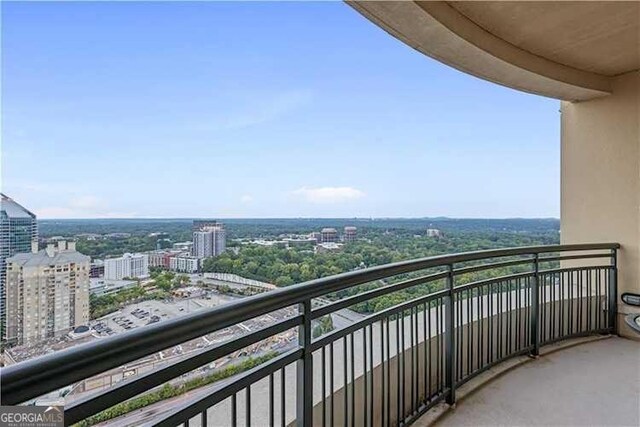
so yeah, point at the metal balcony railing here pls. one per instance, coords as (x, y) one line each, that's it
(386, 368)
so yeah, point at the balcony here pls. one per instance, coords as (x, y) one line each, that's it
(530, 394)
(472, 314)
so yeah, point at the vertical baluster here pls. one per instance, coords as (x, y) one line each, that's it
(481, 324)
(518, 313)
(324, 386)
(605, 296)
(580, 302)
(541, 308)
(535, 309)
(589, 299)
(613, 292)
(345, 368)
(439, 366)
(548, 284)
(388, 394)
(548, 305)
(271, 409)
(527, 311)
(571, 295)
(234, 410)
(365, 400)
(304, 369)
(510, 338)
(599, 298)
(413, 373)
(417, 386)
(553, 305)
(331, 388)
(441, 346)
(353, 378)
(583, 280)
(372, 382)
(507, 317)
(450, 350)
(398, 417)
(560, 303)
(500, 336)
(459, 328)
(470, 348)
(248, 406)
(283, 405)
(403, 395)
(429, 354)
(502, 301)
(425, 358)
(545, 303)
(383, 369)
(490, 325)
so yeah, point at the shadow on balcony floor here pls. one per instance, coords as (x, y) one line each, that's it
(592, 384)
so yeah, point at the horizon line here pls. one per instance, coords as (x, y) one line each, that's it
(301, 218)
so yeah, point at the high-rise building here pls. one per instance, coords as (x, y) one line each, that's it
(183, 246)
(329, 235)
(316, 235)
(162, 258)
(184, 264)
(350, 234)
(200, 224)
(96, 269)
(129, 265)
(47, 292)
(18, 232)
(209, 240)
(433, 232)
(159, 259)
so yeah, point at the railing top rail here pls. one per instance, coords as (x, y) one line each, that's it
(38, 376)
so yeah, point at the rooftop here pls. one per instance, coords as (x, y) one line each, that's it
(43, 258)
(14, 209)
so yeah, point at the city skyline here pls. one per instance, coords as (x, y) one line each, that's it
(232, 111)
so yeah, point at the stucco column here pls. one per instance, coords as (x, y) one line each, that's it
(600, 189)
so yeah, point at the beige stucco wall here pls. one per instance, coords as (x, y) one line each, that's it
(600, 177)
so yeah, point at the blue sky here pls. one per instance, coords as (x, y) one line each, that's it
(214, 109)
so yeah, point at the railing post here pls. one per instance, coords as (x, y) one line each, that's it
(304, 390)
(535, 308)
(449, 342)
(613, 293)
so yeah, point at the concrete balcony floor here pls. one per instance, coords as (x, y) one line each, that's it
(591, 384)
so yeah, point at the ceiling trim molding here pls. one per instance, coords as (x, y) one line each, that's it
(439, 31)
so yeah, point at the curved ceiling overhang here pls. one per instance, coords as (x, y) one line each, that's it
(441, 32)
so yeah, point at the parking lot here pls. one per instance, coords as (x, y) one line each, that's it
(149, 312)
(156, 311)
(153, 311)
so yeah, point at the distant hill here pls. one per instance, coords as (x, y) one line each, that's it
(274, 226)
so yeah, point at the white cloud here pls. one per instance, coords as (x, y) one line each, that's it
(328, 194)
(62, 212)
(117, 214)
(246, 198)
(86, 203)
(86, 206)
(55, 212)
(36, 187)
